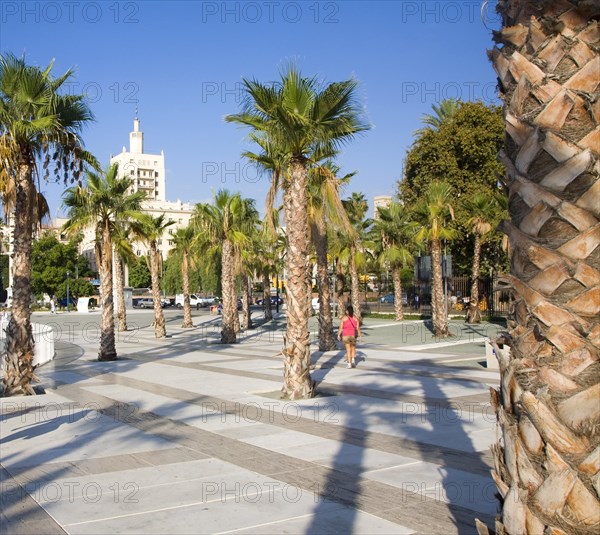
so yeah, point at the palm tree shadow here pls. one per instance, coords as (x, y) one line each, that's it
(450, 468)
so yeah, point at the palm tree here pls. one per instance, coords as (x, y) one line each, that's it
(547, 407)
(103, 203)
(36, 122)
(442, 114)
(434, 212)
(395, 230)
(356, 207)
(300, 119)
(325, 208)
(184, 240)
(151, 231)
(224, 225)
(484, 215)
(122, 254)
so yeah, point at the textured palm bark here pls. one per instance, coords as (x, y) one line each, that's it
(548, 464)
(267, 296)
(119, 279)
(229, 312)
(326, 338)
(399, 309)
(339, 290)
(107, 350)
(187, 308)
(438, 306)
(246, 317)
(160, 330)
(297, 382)
(473, 312)
(354, 285)
(18, 353)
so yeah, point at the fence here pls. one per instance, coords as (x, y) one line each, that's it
(458, 294)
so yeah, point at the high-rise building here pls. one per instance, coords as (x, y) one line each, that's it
(380, 201)
(146, 170)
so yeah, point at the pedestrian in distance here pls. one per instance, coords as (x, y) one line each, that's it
(53, 305)
(348, 333)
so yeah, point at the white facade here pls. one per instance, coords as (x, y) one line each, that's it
(382, 201)
(146, 170)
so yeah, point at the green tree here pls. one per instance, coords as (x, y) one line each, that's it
(139, 273)
(51, 260)
(102, 203)
(461, 152)
(150, 230)
(435, 213)
(36, 122)
(485, 215)
(183, 240)
(300, 119)
(225, 228)
(394, 232)
(442, 114)
(325, 209)
(356, 207)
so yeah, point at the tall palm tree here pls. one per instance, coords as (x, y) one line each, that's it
(547, 465)
(36, 123)
(442, 114)
(223, 225)
(435, 212)
(151, 231)
(356, 207)
(184, 241)
(300, 119)
(325, 208)
(123, 252)
(102, 203)
(395, 231)
(484, 217)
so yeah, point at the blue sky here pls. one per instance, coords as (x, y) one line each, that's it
(181, 63)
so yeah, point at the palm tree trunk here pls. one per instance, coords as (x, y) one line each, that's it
(228, 333)
(185, 275)
(160, 330)
(267, 296)
(547, 467)
(438, 306)
(397, 293)
(297, 382)
(474, 314)
(339, 289)
(121, 312)
(18, 354)
(107, 350)
(326, 339)
(246, 319)
(355, 291)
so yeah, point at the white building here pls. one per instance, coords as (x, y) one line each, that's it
(382, 201)
(146, 170)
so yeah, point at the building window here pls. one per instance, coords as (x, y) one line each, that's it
(180, 221)
(155, 174)
(170, 242)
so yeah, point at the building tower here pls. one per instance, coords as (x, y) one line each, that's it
(145, 169)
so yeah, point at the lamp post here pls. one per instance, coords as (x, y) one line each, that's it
(68, 275)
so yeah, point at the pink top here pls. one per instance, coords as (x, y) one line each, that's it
(349, 326)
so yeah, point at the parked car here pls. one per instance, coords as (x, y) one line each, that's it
(144, 302)
(274, 300)
(195, 301)
(391, 299)
(72, 302)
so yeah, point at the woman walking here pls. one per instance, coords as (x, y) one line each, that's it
(348, 332)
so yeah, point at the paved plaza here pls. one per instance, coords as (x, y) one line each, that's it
(185, 435)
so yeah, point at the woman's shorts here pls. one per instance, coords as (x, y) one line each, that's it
(349, 340)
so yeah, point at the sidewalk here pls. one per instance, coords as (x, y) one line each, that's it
(187, 436)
